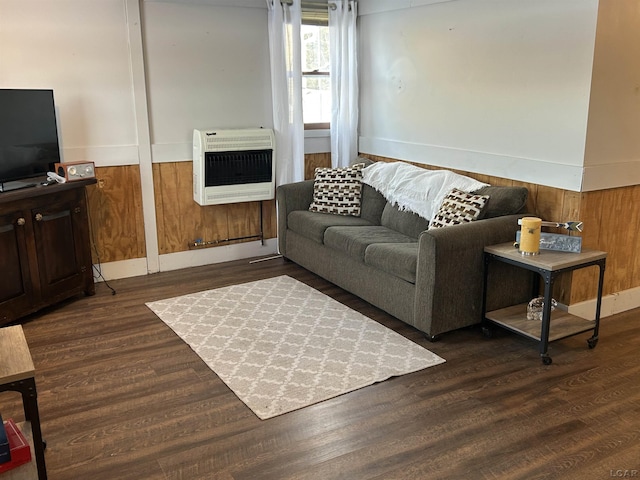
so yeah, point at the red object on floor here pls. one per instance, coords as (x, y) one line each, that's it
(20, 450)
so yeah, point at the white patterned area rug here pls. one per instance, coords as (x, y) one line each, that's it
(280, 345)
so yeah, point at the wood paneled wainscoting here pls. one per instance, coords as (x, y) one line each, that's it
(611, 219)
(181, 220)
(313, 161)
(115, 214)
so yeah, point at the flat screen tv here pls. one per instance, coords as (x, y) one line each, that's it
(28, 137)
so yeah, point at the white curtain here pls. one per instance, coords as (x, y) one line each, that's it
(286, 89)
(344, 81)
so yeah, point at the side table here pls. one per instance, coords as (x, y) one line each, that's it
(548, 264)
(17, 374)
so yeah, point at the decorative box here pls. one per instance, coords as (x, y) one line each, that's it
(20, 450)
(5, 452)
(558, 242)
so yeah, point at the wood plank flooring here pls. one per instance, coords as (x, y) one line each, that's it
(122, 397)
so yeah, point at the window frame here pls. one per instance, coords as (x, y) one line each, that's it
(316, 13)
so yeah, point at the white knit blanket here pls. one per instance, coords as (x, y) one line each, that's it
(416, 189)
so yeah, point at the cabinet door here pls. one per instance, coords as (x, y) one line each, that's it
(16, 288)
(60, 243)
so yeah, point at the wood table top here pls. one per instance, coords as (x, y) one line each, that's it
(549, 260)
(15, 358)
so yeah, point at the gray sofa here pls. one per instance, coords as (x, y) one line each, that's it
(430, 279)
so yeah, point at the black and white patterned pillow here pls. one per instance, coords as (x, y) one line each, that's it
(458, 207)
(338, 190)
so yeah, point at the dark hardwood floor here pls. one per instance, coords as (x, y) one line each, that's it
(122, 397)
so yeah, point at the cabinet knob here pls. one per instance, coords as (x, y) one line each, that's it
(38, 217)
(21, 221)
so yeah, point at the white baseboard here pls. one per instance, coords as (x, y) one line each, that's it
(611, 304)
(121, 269)
(207, 256)
(191, 258)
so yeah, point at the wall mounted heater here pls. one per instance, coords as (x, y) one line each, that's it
(232, 166)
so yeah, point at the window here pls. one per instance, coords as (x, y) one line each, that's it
(316, 82)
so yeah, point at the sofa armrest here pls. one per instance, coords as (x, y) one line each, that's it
(291, 197)
(449, 277)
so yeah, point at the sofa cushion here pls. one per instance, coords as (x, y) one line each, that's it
(355, 240)
(503, 200)
(408, 223)
(458, 207)
(398, 259)
(337, 190)
(313, 225)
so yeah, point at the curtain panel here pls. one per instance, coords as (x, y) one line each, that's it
(286, 88)
(344, 81)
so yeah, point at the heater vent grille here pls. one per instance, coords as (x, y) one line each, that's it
(231, 166)
(221, 143)
(237, 168)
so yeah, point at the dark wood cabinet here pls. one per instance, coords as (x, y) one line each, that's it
(45, 250)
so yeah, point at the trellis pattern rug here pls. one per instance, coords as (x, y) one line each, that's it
(280, 345)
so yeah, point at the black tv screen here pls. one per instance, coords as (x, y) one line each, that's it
(28, 136)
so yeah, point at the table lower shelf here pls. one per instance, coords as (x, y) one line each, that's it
(563, 324)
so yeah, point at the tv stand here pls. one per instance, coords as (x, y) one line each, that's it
(45, 250)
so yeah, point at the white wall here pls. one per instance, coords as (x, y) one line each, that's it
(612, 156)
(499, 87)
(80, 50)
(207, 67)
(204, 64)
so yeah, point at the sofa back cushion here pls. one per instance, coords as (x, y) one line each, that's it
(503, 200)
(372, 205)
(372, 201)
(408, 223)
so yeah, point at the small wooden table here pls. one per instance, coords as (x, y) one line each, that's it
(548, 264)
(17, 374)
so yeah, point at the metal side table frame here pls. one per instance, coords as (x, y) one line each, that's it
(17, 374)
(548, 265)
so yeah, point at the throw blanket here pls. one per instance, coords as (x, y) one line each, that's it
(416, 189)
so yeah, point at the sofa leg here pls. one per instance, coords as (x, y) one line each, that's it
(432, 338)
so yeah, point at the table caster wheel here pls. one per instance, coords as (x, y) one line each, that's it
(547, 360)
(592, 342)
